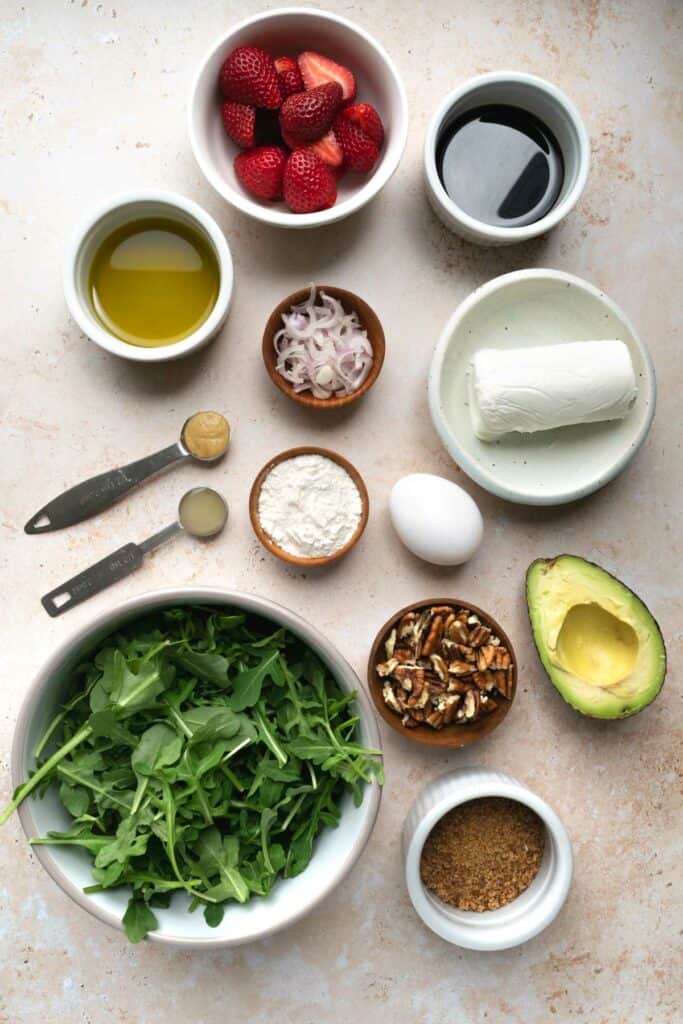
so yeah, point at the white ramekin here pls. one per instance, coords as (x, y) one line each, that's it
(105, 219)
(547, 102)
(520, 920)
(289, 30)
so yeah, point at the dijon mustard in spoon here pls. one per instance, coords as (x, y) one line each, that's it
(205, 438)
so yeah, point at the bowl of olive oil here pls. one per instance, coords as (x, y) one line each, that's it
(149, 277)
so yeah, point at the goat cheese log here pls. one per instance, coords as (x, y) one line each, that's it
(548, 386)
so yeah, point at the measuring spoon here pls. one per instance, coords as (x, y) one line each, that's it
(202, 512)
(99, 492)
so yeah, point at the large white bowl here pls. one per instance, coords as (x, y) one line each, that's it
(518, 310)
(288, 31)
(525, 916)
(336, 850)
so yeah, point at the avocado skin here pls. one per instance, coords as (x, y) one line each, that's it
(540, 646)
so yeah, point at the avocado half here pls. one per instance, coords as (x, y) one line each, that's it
(598, 642)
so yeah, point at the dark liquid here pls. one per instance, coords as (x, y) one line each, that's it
(501, 165)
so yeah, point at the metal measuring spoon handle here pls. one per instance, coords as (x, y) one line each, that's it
(99, 492)
(102, 574)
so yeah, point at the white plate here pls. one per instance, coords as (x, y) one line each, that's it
(537, 307)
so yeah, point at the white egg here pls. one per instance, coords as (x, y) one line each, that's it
(435, 519)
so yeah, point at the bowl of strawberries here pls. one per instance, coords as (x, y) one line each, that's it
(297, 117)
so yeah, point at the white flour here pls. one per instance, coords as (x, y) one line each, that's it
(309, 506)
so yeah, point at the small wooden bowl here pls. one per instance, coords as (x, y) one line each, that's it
(451, 735)
(368, 319)
(256, 491)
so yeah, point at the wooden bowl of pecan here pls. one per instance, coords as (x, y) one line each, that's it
(442, 672)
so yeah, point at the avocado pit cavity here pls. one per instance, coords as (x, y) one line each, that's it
(596, 646)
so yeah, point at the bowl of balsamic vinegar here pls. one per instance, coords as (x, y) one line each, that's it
(506, 158)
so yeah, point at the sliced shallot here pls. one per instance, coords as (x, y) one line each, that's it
(322, 348)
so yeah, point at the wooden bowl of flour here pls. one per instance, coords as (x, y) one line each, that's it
(267, 540)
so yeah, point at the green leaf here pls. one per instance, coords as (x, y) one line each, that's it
(246, 689)
(106, 724)
(212, 721)
(217, 856)
(80, 835)
(160, 745)
(76, 799)
(213, 668)
(214, 914)
(138, 920)
(268, 818)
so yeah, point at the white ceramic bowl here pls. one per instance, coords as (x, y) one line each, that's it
(336, 850)
(550, 105)
(521, 919)
(290, 30)
(98, 225)
(525, 308)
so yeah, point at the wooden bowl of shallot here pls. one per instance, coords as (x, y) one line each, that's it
(290, 374)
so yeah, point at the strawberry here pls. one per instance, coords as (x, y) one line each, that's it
(368, 120)
(360, 152)
(317, 69)
(261, 171)
(328, 150)
(248, 76)
(239, 121)
(308, 184)
(288, 76)
(306, 116)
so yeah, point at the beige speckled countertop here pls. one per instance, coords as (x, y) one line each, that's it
(93, 101)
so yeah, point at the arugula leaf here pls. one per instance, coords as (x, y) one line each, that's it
(76, 799)
(159, 746)
(218, 855)
(213, 668)
(247, 686)
(138, 920)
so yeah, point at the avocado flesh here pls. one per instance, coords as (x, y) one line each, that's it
(598, 642)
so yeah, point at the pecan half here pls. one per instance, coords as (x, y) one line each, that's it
(501, 659)
(458, 651)
(435, 719)
(504, 682)
(486, 680)
(390, 698)
(460, 668)
(439, 667)
(485, 656)
(406, 625)
(409, 676)
(459, 632)
(471, 705)
(390, 644)
(434, 636)
(479, 634)
(458, 685)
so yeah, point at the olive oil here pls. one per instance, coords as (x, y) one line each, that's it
(502, 165)
(154, 281)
